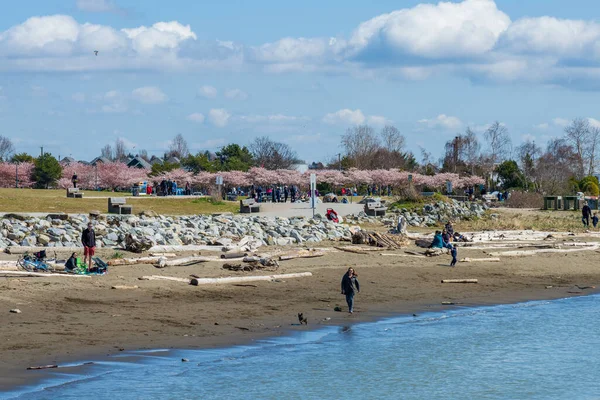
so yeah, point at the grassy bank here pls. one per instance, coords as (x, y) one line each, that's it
(41, 200)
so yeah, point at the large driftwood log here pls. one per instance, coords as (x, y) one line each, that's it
(517, 253)
(134, 261)
(33, 249)
(488, 259)
(164, 278)
(459, 280)
(164, 262)
(301, 254)
(39, 274)
(239, 279)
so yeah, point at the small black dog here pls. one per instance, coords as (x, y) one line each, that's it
(302, 319)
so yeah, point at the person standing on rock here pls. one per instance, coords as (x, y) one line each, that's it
(88, 239)
(74, 179)
(350, 287)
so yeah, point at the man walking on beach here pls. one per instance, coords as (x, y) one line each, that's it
(350, 287)
(586, 213)
(88, 239)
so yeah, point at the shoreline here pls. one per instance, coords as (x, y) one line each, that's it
(75, 364)
(69, 320)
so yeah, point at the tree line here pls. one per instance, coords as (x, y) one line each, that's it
(562, 166)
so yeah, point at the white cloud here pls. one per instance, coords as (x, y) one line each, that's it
(594, 123)
(97, 6)
(549, 35)
(275, 118)
(208, 92)
(442, 121)
(378, 120)
(196, 117)
(562, 122)
(467, 28)
(542, 126)
(161, 35)
(149, 95)
(218, 117)
(236, 94)
(114, 108)
(345, 117)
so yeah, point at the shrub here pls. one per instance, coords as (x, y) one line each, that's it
(525, 200)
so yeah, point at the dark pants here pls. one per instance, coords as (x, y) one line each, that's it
(350, 301)
(586, 220)
(453, 263)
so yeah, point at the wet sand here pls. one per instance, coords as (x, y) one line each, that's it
(66, 319)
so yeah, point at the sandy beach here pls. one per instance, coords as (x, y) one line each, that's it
(65, 319)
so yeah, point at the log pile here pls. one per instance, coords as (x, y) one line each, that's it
(377, 239)
(264, 264)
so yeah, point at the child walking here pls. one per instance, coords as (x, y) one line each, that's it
(454, 253)
(595, 220)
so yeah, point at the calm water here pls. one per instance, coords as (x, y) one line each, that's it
(537, 350)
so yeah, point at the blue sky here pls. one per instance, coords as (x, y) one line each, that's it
(301, 73)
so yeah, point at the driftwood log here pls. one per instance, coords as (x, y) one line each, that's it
(40, 275)
(488, 259)
(459, 280)
(164, 262)
(301, 254)
(240, 279)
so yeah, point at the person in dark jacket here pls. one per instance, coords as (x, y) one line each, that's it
(88, 239)
(350, 287)
(586, 213)
(71, 263)
(454, 252)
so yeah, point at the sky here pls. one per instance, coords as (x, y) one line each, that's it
(301, 73)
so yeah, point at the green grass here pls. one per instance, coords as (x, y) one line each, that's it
(53, 201)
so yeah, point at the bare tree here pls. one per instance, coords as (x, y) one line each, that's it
(107, 152)
(7, 148)
(577, 135)
(472, 149)
(529, 154)
(556, 166)
(120, 150)
(144, 155)
(360, 144)
(179, 147)
(392, 139)
(499, 142)
(272, 155)
(593, 149)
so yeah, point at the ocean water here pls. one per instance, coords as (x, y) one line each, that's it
(535, 350)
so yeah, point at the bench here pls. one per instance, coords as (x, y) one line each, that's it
(374, 208)
(74, 193)
(117, 205)
(249, 206)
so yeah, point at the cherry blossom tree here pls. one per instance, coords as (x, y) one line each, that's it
(12, 175)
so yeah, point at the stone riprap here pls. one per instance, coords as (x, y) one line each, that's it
(429, 215)
(223, 230)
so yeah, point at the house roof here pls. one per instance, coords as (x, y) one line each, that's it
(67, 160)
(139, 162)
(102, 160)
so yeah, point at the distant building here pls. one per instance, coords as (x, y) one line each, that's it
(139, 162)
(173, 160)
(100, 160)
(155, 160)
(67, 161)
